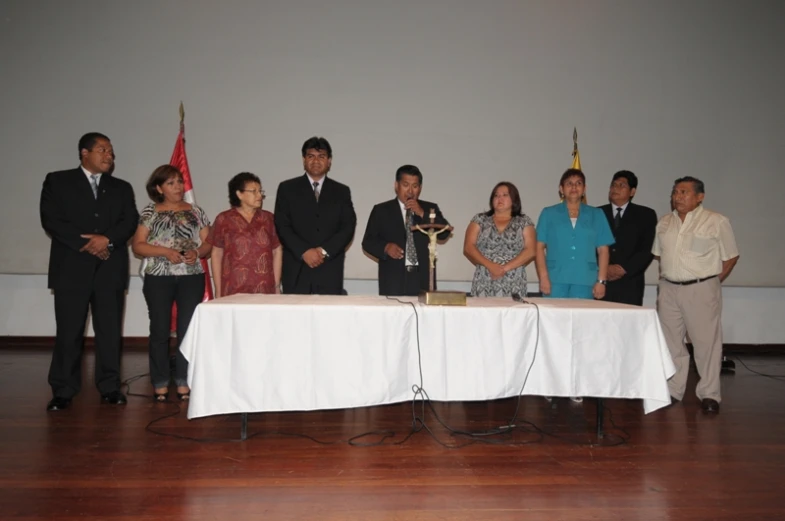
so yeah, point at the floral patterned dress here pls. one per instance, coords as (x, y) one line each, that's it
(500, 247)
(247, 265)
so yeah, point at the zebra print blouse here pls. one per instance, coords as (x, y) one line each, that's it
(177, 230)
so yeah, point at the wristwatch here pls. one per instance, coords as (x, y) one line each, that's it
(603, 282)
(324, 252)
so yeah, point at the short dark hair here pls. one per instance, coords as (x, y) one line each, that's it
(87, 142)
(572, 172)
(697, 184)
(631, 178)
(514, 196)
(159, 176)
(408, 170)
(318, 143)
(238, 183)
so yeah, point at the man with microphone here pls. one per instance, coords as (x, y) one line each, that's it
(402, 254)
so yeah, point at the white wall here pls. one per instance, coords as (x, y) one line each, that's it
(472, 92)
(750, 315)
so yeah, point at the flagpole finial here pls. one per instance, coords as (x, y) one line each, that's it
(576, 157)
(182, 118)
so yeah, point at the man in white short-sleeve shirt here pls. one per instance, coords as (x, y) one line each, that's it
(697, 251)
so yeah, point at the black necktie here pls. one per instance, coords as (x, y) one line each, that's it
(617, 219)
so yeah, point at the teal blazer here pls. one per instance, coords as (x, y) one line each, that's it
(571, 254)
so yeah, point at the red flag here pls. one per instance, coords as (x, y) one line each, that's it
(180, 160)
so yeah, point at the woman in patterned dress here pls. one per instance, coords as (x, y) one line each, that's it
(247, 254)
(500, 243)
(171, 236)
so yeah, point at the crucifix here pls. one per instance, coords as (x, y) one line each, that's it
(444, 298)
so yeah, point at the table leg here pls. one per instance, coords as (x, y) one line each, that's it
(600, 407)
(243, 426)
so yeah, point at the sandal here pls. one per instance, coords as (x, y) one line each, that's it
(183, 397)
(161, 397)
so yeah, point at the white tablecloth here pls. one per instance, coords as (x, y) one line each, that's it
(254, 353)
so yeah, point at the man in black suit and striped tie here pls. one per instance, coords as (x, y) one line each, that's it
(402, 254)
(90, 216)
(315, 221)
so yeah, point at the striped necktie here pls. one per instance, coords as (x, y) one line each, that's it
(411, 250)
(94, 184)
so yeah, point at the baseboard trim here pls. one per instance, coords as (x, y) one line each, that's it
(16, 342)
(141, 342)
(758, 349)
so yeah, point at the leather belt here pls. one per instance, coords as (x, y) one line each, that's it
(412, 268)
(688, 282)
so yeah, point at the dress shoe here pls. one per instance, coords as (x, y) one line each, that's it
(58, 404)
(709, 405)
(114, 398)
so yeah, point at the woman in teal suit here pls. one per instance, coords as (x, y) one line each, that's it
(572, 244)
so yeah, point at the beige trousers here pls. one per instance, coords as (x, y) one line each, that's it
(695, 310)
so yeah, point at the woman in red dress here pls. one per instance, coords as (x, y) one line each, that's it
(246, 255)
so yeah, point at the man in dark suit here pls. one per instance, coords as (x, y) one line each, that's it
(315, 220)
(90, 216)
(633, 227)
(402, 254)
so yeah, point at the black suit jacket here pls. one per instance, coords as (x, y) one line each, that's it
(68, 210)
(632, 251)
(303, 223)
(385, 224)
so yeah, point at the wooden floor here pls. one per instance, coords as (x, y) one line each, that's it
(100, 462)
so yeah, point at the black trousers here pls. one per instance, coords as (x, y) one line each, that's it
(160, 292)
(411, 283)
(65, 371)
(625, 292)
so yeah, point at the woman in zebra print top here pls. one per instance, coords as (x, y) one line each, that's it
(171, 236)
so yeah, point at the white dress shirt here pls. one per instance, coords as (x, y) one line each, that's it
(312, 181)
(623, 209)
(695, 248)
(90, 174)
